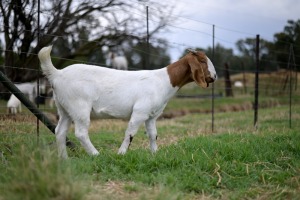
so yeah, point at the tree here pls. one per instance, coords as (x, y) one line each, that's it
(157, 55)
(282, 42)
(77, 29)
(247, 49)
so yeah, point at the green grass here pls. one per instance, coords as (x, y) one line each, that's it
(235, 162)
(35, 173)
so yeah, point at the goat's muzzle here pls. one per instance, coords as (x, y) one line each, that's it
(209, 79)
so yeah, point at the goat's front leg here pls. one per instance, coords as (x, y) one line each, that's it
(152, 133)
(133, 126)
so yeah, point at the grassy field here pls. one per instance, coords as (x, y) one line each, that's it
(235, 161)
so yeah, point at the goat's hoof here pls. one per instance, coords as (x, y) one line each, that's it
(153, 151)
(63, 155)
(122, 151)
(154, 148)
(95, 153)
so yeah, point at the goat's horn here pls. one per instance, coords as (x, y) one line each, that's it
(192, 51)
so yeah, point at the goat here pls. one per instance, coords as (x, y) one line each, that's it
(139, 96)
(117, 62)
(28, 89)
(13, 104)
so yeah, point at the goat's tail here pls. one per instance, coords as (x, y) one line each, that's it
(46, 64)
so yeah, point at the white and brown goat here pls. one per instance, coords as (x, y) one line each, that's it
(139, 96)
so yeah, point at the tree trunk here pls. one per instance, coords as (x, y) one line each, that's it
(228, 85)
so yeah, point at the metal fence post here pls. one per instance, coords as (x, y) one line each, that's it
(38, 73)
(13, 89)
(256, 82)
(148, 36)
(290, 63)
(213, 86)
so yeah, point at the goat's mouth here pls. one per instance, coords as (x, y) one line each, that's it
(209, 79)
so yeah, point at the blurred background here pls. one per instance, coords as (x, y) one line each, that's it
(152, 34)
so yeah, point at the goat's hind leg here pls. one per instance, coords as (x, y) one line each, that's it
(81, 132)
(61, 131)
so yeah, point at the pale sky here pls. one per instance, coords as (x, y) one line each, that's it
(233, 20)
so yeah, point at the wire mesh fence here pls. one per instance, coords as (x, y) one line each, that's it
(238, 89)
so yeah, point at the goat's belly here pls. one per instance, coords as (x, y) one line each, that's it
(106, 113)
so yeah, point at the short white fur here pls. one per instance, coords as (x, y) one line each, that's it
(13, 105)
(80, 89)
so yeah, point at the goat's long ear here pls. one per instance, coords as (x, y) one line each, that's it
(197, 71)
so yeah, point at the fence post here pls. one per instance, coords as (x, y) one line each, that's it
(290, 63)
(148, 45)
(256, 82)
(13, 89)
(213, 86)
(38, 73)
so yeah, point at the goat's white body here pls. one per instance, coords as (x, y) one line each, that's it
(14, 105)
(110, 93)
(80, 89)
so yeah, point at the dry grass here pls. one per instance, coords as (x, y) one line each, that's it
(109, 125)
(120, 190)
(130, 190)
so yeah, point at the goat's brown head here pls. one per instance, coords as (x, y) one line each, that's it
(203, 71)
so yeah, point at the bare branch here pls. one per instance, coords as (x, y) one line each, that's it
(77, 28)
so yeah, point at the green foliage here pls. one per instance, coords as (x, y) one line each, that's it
(283, 40)
(139, 57)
